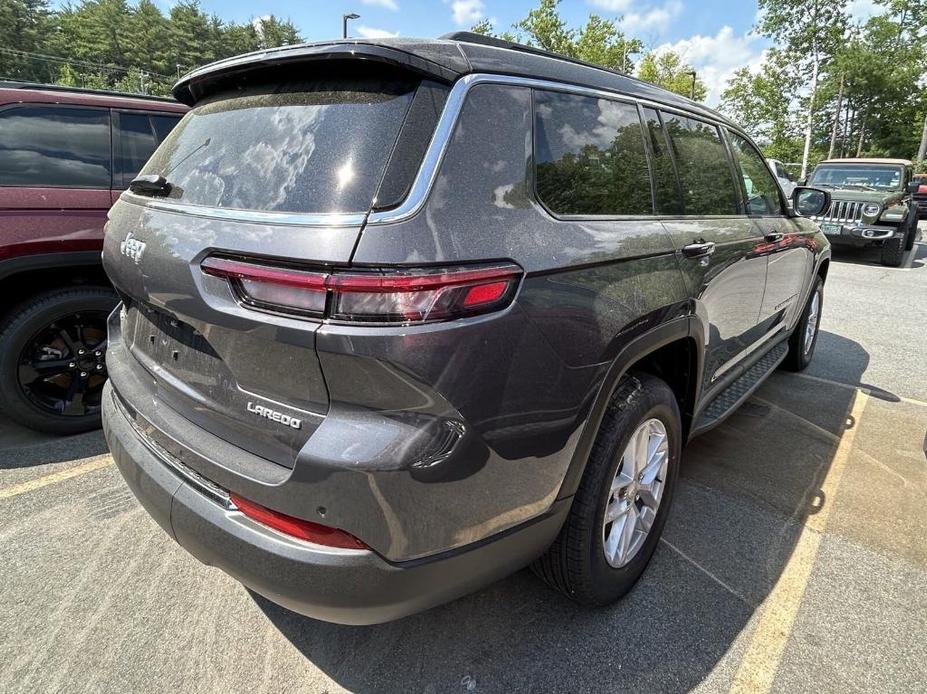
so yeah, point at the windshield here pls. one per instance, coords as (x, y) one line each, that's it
(310, 146)
(863, 177)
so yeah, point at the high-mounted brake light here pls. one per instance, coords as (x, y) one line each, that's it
(297, 527)
(394, 296)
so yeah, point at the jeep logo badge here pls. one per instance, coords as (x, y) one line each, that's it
(275, 416)
(132, 248)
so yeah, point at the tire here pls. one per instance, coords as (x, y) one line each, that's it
(800, 351)
(576, 563)
(44, 383)
(893, 252)
(911, 235)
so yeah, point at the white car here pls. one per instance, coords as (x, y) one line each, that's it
(786, 180)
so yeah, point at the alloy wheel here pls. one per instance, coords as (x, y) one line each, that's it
(636, 492)
(62, 368)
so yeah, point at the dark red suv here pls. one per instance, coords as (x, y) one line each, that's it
(65, 156)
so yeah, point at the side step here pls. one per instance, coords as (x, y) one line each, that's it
(731, 397)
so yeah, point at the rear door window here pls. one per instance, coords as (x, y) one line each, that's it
(665, 186)
(55, 146)
(137, 135)
(703, 166)
(590, 157)
(313, 146)
(761, 188)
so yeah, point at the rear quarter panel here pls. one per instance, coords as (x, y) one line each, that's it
(521, 383)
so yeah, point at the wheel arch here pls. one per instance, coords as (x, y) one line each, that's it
(670, 352)
(27, 276)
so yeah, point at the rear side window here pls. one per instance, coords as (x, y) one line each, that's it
(761, 188)
(703, 166)
(665, 187)
(590, 156)
(55, 146)
(312, 146)
(138, 134)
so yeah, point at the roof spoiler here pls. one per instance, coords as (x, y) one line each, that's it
(440, 62)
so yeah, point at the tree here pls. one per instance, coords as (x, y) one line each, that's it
(668, 70)
(599, 41)
(24, 24)
(810, 32)
(762, 102)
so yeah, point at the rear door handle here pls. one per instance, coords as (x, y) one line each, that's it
(774, 236)
(699, 249)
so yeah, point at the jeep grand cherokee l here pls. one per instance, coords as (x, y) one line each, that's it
(65, 155)
(400, 317)
(872, 205)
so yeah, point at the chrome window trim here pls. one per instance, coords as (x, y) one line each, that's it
(431, 162)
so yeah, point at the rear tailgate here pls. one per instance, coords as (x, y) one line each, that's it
(287, 172)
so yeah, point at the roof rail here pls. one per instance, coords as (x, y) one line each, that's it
(482, 39)
(15, 84)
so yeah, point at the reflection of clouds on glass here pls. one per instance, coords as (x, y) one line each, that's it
(313, 151)
(611, 117)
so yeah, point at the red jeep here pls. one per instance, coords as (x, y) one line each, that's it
(65, 156)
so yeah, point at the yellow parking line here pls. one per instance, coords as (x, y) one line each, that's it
(32, 485)
(764, 651)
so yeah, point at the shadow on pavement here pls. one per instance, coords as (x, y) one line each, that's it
(873, 256)
(851, 361)
(20, 448)
(746, 489)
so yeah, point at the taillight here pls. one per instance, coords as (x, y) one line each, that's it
(297, 527)
(394, 296)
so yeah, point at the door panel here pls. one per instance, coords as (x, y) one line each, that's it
(727, 286)
(790, 254)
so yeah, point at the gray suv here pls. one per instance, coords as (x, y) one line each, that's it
(401, 317)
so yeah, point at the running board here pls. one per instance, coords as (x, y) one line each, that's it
(731, 397)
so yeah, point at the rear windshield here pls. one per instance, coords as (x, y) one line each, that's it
(307, 147)
(863, 177)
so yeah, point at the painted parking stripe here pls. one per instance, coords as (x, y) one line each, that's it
(774, 627)
(32, 485)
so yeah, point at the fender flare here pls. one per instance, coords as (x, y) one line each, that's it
(48, 261)
(677, 329)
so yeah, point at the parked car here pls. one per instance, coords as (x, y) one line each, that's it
(65, 155)
(369, 358)
(785, 178)
(872, 205)
(920, 195)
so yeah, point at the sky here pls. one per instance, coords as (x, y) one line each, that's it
(714, 36)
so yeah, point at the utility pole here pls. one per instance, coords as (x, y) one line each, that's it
(922, 151)
(833, 132)
(692, 91)
(344, 23)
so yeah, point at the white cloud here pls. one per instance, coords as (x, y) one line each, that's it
(467, 12)
(716, 58)
(613, 5)
(387, 4)
(861, 10)
(374, 33)
(652, 18)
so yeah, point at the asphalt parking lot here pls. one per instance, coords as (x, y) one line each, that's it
(795, 559)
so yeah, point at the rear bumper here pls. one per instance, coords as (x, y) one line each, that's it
(343, 586)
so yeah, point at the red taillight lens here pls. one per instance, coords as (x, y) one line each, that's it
(397, 296)
(297, 527)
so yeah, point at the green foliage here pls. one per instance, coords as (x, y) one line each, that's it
(880, 109)
(112, 44)
(668, 70)
(599, 41)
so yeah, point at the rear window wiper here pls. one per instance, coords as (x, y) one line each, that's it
(154, 185)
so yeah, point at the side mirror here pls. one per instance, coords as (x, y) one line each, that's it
(914, 186)
(802, 182)
(810, 202)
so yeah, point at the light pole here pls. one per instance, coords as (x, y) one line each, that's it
(344, 23)
(692, 95)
